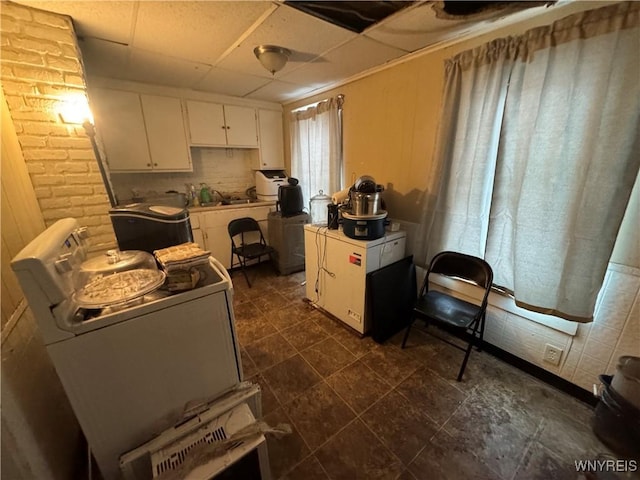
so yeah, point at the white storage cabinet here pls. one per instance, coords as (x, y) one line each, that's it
(140, 132)
(339, 286)
(271, 153)
(216, 125)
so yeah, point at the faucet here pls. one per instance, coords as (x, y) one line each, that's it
(216, 192)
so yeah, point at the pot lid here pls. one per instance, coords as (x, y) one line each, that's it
(120, 287)
(117, 261)
(321, 197)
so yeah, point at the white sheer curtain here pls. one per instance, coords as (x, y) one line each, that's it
(475, 91)
(316, 148)
(566, 160)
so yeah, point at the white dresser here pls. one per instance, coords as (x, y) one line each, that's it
(337, 266)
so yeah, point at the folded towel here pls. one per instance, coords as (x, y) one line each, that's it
(182, 257)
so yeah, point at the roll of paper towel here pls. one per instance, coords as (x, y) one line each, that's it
(340, 197)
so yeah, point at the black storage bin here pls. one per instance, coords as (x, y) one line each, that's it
(149, 227)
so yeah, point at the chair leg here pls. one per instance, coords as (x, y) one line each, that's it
(243, 262)
(481, 342)
(472, 340)
(246, 277)
(406, 334)
(464, 362)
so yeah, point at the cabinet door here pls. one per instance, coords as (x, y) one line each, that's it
(206, 123)
(241, 126)
(271, 154)
(198, 237)
(120, 126)
(166, 133)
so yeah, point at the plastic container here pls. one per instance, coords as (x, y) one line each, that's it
(616, 422)
(318, 208)
(117, 278)
(205, 194)
(626, 381)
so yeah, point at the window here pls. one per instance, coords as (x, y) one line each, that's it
(316, 147)
(540, 152)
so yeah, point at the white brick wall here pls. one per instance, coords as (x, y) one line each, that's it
(40, 65)
(212, 166)
(595, 348)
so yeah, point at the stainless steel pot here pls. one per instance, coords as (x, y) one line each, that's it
(365, 204)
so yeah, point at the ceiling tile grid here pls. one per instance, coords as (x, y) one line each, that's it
(208, 45)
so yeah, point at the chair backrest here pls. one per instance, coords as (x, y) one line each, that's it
(240, 226)
(460, 265)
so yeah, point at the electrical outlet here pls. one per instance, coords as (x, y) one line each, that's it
(355, 315)
(552, 354)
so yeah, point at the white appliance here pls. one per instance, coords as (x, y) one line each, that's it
(128, 373)
(336, 269)
(268, 182)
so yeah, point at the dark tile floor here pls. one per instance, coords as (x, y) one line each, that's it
(360, 410)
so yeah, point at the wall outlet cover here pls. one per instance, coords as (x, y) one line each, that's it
(552, 354)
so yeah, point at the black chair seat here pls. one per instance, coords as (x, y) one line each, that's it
(253, 250)
(446, 309)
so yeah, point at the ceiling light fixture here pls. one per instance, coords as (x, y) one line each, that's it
(272, 57)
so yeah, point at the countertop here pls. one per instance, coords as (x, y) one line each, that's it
(209, 208)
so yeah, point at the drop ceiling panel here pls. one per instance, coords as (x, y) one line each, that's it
(194, 30)
(277, 91)
(150, 67)
(99, 19)
(229, 83)
(354, 57)
(415, 29)
(303, 34)
(104, 59)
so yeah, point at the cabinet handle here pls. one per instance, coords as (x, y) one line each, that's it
(223, 127)
(155, 164)
(148, 164)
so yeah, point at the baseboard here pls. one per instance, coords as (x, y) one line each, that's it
(534, 370)
(540, 373)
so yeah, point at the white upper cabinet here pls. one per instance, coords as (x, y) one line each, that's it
(271, 154)
(141, 133)
(215, 125)
(120, 124)
(206, 123)
(166, 133)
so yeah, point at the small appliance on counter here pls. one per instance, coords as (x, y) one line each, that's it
(268, 182)
(149, 227)
(363, 217)
(290, 201)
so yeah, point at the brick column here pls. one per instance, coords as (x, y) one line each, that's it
(41, 64)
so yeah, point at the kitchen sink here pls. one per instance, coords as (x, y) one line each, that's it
(239, 201)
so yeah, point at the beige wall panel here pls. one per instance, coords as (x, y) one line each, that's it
(21, 219)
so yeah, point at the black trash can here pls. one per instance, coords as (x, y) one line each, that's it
(616, 422)
(149, 227)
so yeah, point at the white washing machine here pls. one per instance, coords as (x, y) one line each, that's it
(131, 373)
